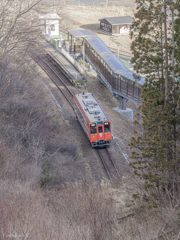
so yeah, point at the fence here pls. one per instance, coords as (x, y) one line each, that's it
(74, 48)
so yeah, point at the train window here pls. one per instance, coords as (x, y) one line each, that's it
(99, 123)
(100, 129)
(106, 127)
(93, 128)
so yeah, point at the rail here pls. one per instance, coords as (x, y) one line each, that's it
(35, 58)
(108, 163)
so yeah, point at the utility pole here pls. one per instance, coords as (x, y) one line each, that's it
(83, 51)
(118, 52)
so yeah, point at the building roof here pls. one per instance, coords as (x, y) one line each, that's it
(91, 107)
(82, 33)
(119, 20)
(49, 16)
(111, 60)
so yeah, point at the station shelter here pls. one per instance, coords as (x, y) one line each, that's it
(50, 24)
(75, 38)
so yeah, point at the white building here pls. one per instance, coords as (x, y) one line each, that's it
(50, 24)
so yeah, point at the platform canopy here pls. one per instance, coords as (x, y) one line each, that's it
(82, 33)
(111, 60)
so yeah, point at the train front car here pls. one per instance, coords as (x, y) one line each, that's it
(93, 119)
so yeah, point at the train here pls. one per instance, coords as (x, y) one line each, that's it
(93, 120)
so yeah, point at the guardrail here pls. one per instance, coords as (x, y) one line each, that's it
(124, 53)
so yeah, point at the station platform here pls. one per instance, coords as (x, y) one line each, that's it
(73, 74)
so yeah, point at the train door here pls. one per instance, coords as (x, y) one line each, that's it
(100, 132)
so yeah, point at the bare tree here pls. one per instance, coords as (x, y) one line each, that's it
(18, 23)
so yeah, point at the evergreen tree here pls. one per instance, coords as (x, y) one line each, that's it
(156, 161)
(148, 36)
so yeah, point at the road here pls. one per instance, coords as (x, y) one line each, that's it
(93, 2)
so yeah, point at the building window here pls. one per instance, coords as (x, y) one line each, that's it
(52, 27)
(114, 27)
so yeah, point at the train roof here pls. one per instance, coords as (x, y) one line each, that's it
(91, 107)
(112, 61)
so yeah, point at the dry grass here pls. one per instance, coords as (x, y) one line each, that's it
(87, 17)
(77, 211)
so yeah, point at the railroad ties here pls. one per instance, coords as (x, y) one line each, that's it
(53, 71)
(109, 164)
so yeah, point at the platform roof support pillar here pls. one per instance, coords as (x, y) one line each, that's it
(83, 52)
(71, 43)
(122, 102)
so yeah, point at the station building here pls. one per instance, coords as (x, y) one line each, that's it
(116, 25)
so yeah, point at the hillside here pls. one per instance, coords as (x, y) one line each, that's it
(52, 183)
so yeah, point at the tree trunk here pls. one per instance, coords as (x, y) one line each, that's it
(166, 52)
(173, 75)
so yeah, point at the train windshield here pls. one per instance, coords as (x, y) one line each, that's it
(100, 129)
(93, 128)
(106, 127)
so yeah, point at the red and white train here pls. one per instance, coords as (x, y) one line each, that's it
(93, 120)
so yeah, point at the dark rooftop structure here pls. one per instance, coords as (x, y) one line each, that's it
(81, 33)
(116, 25)
(78, 35)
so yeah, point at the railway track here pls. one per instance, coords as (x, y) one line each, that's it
(53, 71)
(109, 164)
(68, 90)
